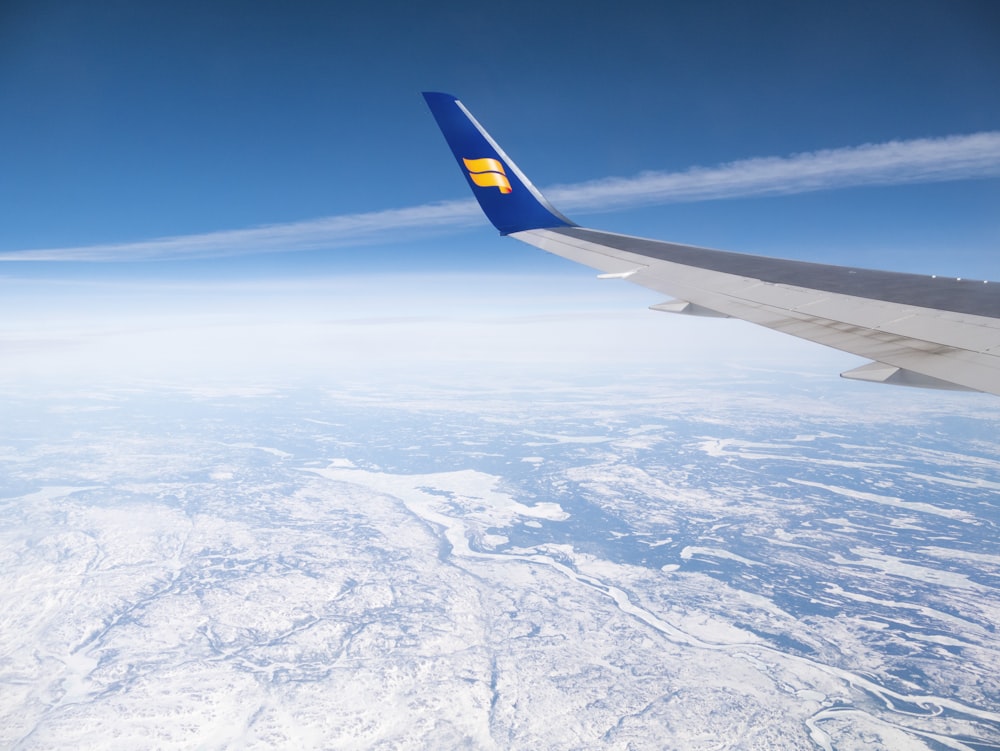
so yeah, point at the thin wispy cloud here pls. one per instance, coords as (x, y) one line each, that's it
(922, 160)
(327, 232)
(893, 163)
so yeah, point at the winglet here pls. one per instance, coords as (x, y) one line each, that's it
(505, 195)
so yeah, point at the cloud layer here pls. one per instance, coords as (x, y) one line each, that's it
(893, 163)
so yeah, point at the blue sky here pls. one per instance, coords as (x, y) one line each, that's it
(867, 133)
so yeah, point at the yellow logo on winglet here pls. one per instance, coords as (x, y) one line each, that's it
(487, 173)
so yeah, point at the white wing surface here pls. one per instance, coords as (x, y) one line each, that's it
(916, 330)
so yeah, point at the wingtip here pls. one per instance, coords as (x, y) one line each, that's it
(441, 96)
(505, 194)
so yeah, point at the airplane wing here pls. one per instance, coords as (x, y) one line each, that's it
(916, 330)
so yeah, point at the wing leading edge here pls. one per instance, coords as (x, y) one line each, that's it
(916, 330)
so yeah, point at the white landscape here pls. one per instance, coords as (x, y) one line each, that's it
(603, 565)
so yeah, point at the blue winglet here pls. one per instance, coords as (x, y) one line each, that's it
(506, 196)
